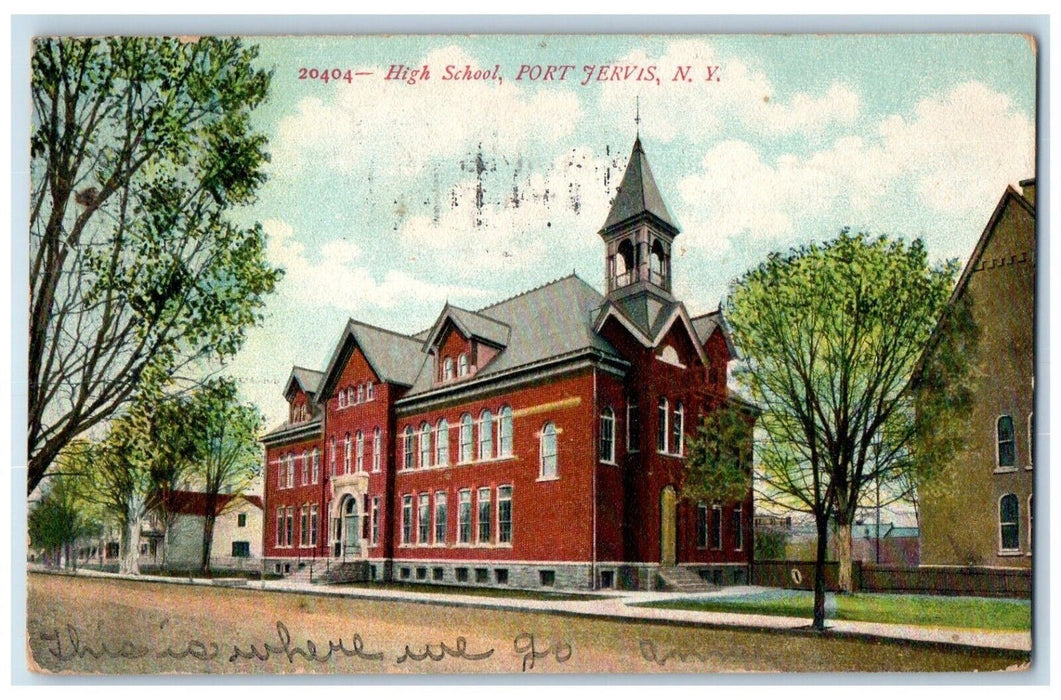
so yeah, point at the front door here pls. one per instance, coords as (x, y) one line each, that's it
(351, 530)
(667, 527)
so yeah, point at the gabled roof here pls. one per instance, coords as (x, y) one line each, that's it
(194, 502)
(471, 324)
(546, 322)
(307, 379)
(669, 314)
(395, 358)
(706, 324)
(638, 195)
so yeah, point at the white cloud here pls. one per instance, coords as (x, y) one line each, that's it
(402, 127)
(519, 222)
(951, 159)
(334, 279)
(701, 108)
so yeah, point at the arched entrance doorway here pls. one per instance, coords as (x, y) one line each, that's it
(667, 527)
(351, 524)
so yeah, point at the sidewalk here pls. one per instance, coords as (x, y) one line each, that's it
(621, 605)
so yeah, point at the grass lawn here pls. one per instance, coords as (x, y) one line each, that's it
(932, 611)
(473, 590)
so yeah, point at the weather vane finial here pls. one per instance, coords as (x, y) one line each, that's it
(637, 116)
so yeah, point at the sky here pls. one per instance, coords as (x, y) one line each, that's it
(387, 198)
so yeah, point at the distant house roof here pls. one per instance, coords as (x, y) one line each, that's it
(638, 195)
(195, 503)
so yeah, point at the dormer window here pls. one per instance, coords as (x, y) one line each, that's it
(342, 398)
(370, 392)
(462, 365)
(361, 393)
(447, 369)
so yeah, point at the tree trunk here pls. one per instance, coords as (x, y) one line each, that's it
(845, 579)
(130, 547)
(208, 542)
(821, 524)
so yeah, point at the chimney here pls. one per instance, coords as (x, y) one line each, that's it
(1028, 189)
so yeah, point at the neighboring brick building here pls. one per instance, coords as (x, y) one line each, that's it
(534, 442)
(980, 511)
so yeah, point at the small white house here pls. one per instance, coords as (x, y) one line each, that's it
(237, 542)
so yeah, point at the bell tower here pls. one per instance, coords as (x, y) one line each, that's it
(638, 238)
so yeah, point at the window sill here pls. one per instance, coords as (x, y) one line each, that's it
(1005, 470)
(609, 463)
(548, 478)
(1010, 553)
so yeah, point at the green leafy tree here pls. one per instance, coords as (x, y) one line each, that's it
(63, 515)
(140, 150)
(831, 335)
(229, 454)
(121, 478)
(718, 458)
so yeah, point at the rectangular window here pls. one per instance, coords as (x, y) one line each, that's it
(303, 526)
(716, 527)
(485, 516)
(370, 392)
(464, 517)
(607, 436)
(316, 466)
(290, 525)
(461, 574)
(501, 576)
(407, 449)
(241, 549)
(437, 573)
(407, 518)
(482, 575)
(440, 517)
(661, 428)
(375, 521)
(547, 577)
(279, 527)
(633, 428)
(1007, 447)
(738, 527)
(424, 516)
(290, 471)
(305, 468)
(678, 441)
(504, 514)
(377, 450)
(241, 520)
(701, 526)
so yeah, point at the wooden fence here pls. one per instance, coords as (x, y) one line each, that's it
(885, 578)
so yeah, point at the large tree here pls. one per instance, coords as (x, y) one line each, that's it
(229, 454)
(140, 150)
(831, 335)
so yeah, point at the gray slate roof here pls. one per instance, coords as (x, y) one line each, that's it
(472, 324)
(394, 357)
(546, 322)
(308, 379)
(638, 193)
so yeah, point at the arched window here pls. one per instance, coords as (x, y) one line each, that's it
(486, 434)
(625, 266)
(462, 365)
(442, 443)
(360, 452)
(377, 449)
(607, 435)
(1009, 523)
(316, 465)
(346, 455)
(1007, 449)
(661, 428)
(408, 451)
(504, 432)
(466, 438)
(332, 458)
(547, 451)
(305, 467)
(342, 398)
(678, 443)
(361, 393)
(633, 427)
(370, 392)
(447, 369)
(425, 445)
(658, 264)
(290, 470)
(1031, 452)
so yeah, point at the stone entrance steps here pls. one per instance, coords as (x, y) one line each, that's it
(682, 580)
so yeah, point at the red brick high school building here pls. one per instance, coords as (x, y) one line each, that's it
(534, 442)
